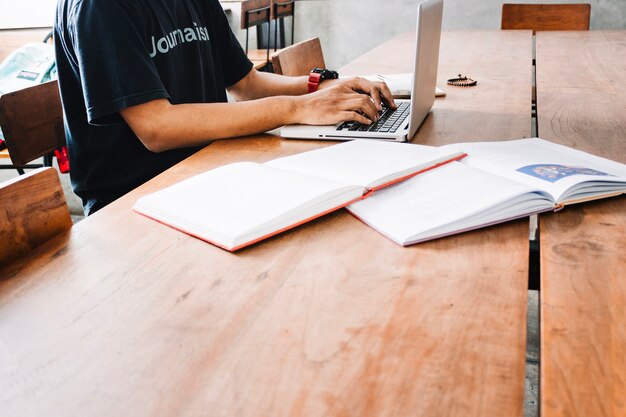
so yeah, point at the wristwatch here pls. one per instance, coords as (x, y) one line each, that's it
(318, 75)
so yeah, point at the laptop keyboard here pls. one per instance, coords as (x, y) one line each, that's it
(390, 121)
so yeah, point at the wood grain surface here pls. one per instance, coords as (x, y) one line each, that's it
(542, 17)
(255, 12)
(498, 108)
(299, 59)
(581, 93)
(124, 316)
(583, 311)
(32, 211)
(32, 122)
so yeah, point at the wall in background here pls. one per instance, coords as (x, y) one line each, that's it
(348, 28)
(26, 13)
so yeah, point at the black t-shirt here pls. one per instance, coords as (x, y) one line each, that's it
(113, 54)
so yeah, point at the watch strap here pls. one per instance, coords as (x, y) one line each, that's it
(314, 81)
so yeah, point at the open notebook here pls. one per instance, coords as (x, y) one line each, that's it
(236, 205)
(498, 181)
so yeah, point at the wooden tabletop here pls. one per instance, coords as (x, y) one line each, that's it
(581, 102)
(497, 108)
(581, 91)
(124, 316)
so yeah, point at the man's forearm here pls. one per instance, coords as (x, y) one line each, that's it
(264, 84)
(162, 126)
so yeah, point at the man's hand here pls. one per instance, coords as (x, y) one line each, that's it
(378, 91)
(352, 99)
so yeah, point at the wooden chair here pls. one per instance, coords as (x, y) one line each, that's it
(33, 211)
(10, 40)
(256, 13)
(299, 59)
(543, 17)
(280, 11)
(32, 123)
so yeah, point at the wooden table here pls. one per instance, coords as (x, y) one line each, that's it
(581, 102)
(497, 109)
(123, 316)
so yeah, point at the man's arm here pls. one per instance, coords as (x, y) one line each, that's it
(162, 126)
(264, 84)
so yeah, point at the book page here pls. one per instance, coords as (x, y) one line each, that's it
(369, 163)
(563, 172)
(237, 202)
(449, 199)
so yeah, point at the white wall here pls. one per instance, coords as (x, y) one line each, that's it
(26, 13)
(348, 28)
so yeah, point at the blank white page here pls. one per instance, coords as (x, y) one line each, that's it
(438, 198)
(229, 202)
(368, 163)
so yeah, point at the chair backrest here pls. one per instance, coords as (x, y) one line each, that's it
(544, 17)
(282, 9)
(33, 211)
(299, 59)
(255, 13)
(32, 122)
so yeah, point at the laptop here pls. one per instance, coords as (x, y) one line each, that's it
(399, 125)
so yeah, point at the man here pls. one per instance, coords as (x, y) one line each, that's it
(143, 87)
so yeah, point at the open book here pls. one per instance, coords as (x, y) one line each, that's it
(498, 181)
(242, 203)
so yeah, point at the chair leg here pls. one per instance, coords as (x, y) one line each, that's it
(275, 35)
(267, 55)
(293, 24)
(283, 41)
(246, 41)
